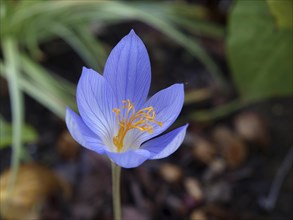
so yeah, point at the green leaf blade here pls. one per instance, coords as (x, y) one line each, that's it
(260, 55)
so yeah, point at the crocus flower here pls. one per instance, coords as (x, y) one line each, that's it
(116, 119)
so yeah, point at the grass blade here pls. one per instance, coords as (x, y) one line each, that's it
(10, 52)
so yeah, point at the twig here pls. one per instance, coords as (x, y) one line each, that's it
(268, 202)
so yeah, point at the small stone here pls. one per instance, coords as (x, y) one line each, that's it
(252, 128)
(219, 191)
(171, 173)
(193, 188)
(216, 168)
(198, 215)
(130, 212)
(204, 150)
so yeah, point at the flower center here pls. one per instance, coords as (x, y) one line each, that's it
(133, 120)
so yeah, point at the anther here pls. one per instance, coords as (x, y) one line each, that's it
(133, 120)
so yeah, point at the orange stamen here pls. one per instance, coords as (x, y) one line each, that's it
(133, 120)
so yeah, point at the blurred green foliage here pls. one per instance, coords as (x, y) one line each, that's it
(282, 11)
(260, 52)
(31, 23)
(28, 134)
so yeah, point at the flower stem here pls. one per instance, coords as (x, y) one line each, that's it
(116, 170)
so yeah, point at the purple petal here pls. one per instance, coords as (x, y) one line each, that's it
(166, 144)
(130, 158)
(95, 100)
(82, 134)
(167, 105)
(128, 70)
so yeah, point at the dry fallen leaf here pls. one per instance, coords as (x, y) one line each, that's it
(231, 147)
(33, 185)
(68, 148)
